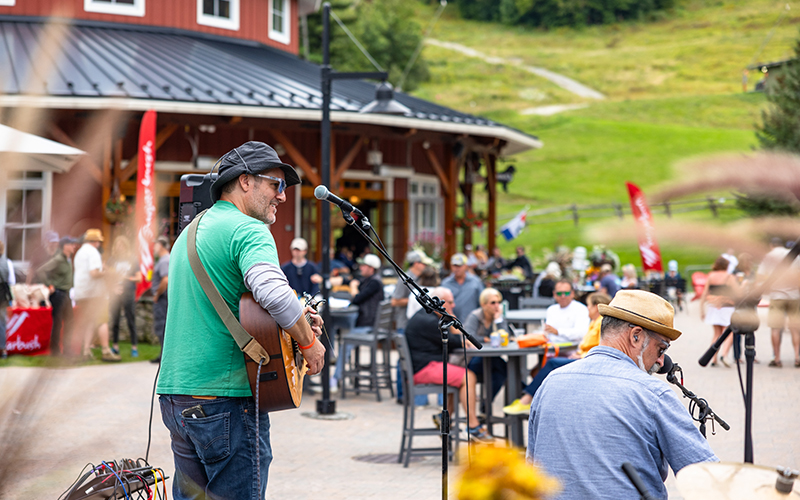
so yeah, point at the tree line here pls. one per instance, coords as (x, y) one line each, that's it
(555, 13)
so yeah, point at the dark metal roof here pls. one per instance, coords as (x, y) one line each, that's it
(93, 59)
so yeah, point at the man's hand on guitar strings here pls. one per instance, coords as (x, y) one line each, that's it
(314, 319)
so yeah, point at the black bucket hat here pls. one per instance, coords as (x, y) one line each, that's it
(250, 158)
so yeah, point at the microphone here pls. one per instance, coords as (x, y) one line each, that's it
(668, 364)
(322, 193)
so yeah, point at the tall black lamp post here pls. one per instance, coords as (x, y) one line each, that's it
(384, 103)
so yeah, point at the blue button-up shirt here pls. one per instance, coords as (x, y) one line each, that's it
(592, 415)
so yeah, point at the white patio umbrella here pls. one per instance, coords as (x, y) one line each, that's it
(22, 151)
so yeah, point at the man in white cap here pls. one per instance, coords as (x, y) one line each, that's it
(303, 275)
(417, 262)
(590, 416)
(367, 295)
(368, 291)
(205, 397)
(466, 287)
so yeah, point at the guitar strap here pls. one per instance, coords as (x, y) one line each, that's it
(244, 340)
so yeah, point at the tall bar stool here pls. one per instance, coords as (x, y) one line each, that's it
(375, 374)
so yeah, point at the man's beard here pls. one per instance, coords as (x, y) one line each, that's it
(261, 209)
(640, 360)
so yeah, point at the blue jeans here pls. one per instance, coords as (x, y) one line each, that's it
(215, 455)
(552, 364)
(499, 372)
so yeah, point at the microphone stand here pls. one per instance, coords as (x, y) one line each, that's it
(704, 411)
(745, 322)
(446, 321)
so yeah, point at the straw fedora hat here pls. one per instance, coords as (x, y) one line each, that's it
(644, 309)
(93, 235)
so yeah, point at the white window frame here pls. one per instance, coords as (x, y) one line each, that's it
(285, 37)
(219, 22)
(434, 199)
(45, 183)
(135, 10)
(8, 3)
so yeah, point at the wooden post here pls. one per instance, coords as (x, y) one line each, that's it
(575, 213)
(450, 205)
(106, 185)
(491, 223)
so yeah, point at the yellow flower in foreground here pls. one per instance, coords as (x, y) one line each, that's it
(500, 473)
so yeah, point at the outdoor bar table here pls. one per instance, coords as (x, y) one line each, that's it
(520, 317)
(517, 369)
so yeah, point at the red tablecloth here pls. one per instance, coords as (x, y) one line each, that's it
(28, 330)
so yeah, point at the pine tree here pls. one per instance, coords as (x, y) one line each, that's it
(781, 122)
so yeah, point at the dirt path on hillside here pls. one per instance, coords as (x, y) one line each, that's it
(562, 81)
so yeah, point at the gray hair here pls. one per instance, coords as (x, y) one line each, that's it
(612, 326)
(440, 291)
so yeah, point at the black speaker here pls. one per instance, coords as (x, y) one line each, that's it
(195, 196)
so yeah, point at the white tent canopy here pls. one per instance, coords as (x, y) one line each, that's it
(23, 151)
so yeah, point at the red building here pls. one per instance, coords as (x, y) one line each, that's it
(219, 73)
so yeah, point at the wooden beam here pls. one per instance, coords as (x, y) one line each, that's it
(450, 205)
(491, 178)
(347, 161)
(117, 160)
(161, 137)
(106, 186)
(296, 156)
(447, 184)
(95, 170)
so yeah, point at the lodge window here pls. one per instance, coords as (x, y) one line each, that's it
(8, 3)
(425, 207)
(25, 203)
(118, 7)
(279, 25)
(218, 13)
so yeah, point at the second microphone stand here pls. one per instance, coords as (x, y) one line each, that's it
(704, 411)
(446, 322)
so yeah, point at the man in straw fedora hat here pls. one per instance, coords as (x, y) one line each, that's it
(592, 415)
(91, 297)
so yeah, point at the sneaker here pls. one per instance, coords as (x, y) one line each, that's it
(134, 352)
(111, 357)
(480, 434)
(517, 408)
(437, 420)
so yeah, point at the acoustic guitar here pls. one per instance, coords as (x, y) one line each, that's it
(281, 379)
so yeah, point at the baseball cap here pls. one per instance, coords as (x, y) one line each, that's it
(458, 259)
(371, 260)
(298, 243)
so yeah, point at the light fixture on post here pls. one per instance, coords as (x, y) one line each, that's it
(375, 158)
(327, 406)
(385, 102)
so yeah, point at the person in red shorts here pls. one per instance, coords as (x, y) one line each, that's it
(425, 344)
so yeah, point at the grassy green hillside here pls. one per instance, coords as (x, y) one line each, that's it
(673, 87)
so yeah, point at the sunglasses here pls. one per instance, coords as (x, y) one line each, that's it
(563, 294)
(281, 182)
(493, 303)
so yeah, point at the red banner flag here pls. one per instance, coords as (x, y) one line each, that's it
(146, 200)
(648, 248)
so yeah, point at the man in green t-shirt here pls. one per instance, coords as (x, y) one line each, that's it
(206, 402)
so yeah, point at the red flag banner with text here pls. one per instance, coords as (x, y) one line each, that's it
(648, 248)
(146, 200)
